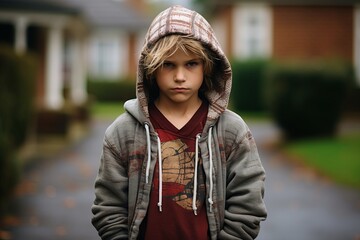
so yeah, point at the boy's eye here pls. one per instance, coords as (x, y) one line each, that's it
(168, 65)
(192, 64)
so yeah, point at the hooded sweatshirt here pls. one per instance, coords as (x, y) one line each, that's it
(234, 176)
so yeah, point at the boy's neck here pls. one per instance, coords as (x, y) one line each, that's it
(178, 114)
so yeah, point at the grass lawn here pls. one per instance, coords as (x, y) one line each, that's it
(337, 158)
(107, 110)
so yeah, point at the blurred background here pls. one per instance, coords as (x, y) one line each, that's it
(67, 67)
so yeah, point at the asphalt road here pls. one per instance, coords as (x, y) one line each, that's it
(54, 199)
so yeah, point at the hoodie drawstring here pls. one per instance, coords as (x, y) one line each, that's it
(210, 170)
(194, 207)
(149, 161)
(148, 152)
(196, 173)
(160, 175)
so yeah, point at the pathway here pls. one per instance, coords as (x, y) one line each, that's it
(55, 198)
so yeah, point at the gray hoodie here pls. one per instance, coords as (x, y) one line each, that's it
(234, 174)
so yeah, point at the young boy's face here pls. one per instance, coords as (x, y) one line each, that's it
(180, 78)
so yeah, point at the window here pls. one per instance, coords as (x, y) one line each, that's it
(252, 33)
(106, 57)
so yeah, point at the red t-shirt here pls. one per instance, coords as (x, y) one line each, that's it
(177, 219)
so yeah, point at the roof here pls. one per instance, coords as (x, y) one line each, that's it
(291, 2)
(111, 13)
(99, 13)
(48, 6)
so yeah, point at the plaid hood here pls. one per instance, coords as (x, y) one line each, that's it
(180, 20)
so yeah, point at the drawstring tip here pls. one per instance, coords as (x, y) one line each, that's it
(211, 204)
(160, 207)
(195, 209)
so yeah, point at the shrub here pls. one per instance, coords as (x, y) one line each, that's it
(112, 91)
(17, 81)
(53, 122)
(352, 103)
(247, 86)
(306, 99)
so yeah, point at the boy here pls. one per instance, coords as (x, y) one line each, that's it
(177, 164)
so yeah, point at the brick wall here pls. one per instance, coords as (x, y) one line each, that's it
(308, 32)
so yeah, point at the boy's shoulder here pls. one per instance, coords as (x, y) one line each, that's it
(124, 122)
(232, 123)
(233, 129)
(229, 117)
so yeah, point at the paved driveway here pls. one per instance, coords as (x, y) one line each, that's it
(55, 197)
(302, 205)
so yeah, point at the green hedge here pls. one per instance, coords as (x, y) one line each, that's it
(112, 91)
(306, 98)
(248, 78)
(17, 84)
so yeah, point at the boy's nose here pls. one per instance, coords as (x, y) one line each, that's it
(179, 75)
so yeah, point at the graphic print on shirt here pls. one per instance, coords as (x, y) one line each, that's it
(178, 167)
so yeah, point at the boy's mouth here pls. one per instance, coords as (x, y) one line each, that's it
(179, 89)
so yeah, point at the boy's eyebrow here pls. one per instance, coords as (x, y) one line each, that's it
(192, 59)
(195, 59)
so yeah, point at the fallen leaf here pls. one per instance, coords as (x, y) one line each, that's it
(5, 235)
(50, 191)
(25, 187)
(10, 221)
(69, 202)
(34, 221)
(60, 231)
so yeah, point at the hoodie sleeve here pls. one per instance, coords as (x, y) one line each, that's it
(244, 205)
(110, 208)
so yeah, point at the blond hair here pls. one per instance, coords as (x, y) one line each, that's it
(155, 55)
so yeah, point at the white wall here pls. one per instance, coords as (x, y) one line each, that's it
(252, 30)
(108, 54)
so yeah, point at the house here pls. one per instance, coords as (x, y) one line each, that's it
(117, 29)
(74, 39)
(286, 29)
